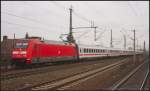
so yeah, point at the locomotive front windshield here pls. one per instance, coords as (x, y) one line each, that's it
(21, 45)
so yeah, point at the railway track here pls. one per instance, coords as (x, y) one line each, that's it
(73, 79)
(27, 72)
(120, 84)
(33, 81)
(144, 81)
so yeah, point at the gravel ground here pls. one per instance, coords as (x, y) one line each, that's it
(53, 74)
(105, 80)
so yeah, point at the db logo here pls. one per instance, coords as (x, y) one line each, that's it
(59, 52)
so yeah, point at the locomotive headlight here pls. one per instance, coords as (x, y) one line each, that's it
(23, 52)
(15, 52)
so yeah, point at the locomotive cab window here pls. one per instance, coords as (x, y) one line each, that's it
(21, 45)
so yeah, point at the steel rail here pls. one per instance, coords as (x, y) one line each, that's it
(74, 78)
(26, 72)
(144, 81)
(122, 81)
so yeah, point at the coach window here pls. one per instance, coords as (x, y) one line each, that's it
(84, 50)
(80, 50)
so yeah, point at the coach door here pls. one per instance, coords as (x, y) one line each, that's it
(37, 53)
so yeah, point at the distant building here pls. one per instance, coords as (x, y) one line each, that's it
(7, 46)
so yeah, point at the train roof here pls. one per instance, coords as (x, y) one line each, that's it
(99, 47)
(53, 42)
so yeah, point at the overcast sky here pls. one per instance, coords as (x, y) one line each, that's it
(50, 19)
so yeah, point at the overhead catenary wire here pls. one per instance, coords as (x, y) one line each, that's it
(33, 20)
(100, 35)
(83, 34)
(74, 12)
(44, 9)
(59, 5)
(25, 26)
(135, 13)
(81, 17)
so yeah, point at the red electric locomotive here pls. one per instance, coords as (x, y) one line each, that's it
(30, 51)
